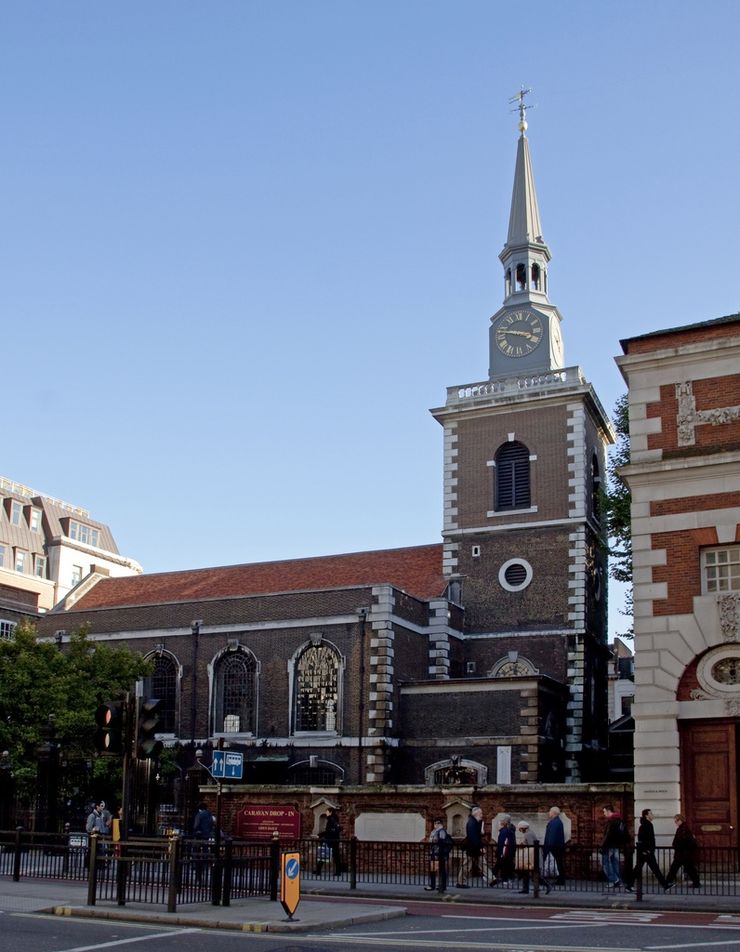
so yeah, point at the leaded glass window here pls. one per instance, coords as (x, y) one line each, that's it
(236, 682)
(162, 684)
(317, 689)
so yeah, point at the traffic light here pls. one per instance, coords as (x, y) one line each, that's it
(150, 715)
(109, 735)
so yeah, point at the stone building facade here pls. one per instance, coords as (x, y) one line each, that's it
(684, 475)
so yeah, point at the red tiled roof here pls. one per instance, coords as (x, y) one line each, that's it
(416, 570)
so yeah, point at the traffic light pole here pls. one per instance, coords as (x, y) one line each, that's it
(126, 795)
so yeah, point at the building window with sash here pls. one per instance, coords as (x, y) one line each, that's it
(162, 684)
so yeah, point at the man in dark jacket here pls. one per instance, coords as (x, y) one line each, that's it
(554, 844)
(474, 849)
(615, 839)
(685, 853)
(646, 851)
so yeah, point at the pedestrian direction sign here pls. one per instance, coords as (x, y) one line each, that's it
(227, 765)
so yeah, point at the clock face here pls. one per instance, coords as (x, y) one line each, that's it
(518, 333)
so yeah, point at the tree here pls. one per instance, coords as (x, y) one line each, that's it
(39, 682)
(617, 500)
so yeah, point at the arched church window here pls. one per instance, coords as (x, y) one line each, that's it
(162, 684)
(521, 277)
(316, 689)
(508, 282)
(512, 476)
(235, 689)
(536, 277)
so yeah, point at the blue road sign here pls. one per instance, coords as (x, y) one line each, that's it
(227, 765)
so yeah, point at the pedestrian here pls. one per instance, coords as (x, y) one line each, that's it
(474, 847)
(645, 852)
(331, 835)
(553, 847)
(615, 839)
(203, 823)
(685, 853)
(96, 820)
(504, 871)
(440, 844)
(525, 856)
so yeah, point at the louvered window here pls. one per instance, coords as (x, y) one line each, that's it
(512, 476)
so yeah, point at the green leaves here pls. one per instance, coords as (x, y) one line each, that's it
(48, 694)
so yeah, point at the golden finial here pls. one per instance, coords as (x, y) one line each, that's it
(521, 108)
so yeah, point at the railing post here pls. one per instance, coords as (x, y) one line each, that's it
(228, 866)
(274, 866)
(638, 879)
(353, 862)
(121, 871)
(92, 868)
(174, 864)
(536, 870)
(17, 855)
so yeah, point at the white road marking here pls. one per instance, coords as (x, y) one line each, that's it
(695, 945)
(139, 938)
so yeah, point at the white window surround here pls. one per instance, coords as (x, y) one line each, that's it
(7, 628)
(720, 570)
(527, 578)
(705, 668)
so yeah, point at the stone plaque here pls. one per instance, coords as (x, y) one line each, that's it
(390, 827)
(260, 822)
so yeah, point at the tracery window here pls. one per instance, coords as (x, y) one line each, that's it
(316, 690)
(162, 684)
(235, 688)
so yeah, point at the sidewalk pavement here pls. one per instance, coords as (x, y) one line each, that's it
(330, 904)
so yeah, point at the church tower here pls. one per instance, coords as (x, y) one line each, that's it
(524, 456)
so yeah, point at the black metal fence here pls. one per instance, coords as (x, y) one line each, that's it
(174, 871)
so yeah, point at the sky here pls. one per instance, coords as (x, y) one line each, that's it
(245, 246)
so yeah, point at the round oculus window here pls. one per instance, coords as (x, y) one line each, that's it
(515, 575)
(718, 672)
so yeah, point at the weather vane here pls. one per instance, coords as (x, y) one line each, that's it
(521, 108)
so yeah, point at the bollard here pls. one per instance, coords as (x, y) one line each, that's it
(174, 864)
(353, 863)
(228, 867)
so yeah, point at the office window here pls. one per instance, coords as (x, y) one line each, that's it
(39, 566)
(3, 556)
(82, 533)
(6, 629)
(721, 569)
(21, 560)
(76, 575)
(16, 513)
(35, 520)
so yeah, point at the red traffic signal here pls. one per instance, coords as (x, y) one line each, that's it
(108, 737)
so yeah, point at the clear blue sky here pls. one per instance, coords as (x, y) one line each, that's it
(247, 245)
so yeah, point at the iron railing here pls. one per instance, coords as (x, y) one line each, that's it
(179, 870)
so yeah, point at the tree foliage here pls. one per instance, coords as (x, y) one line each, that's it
(619, 498)
(42, 687)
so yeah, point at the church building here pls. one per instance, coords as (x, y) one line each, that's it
(481, 659)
